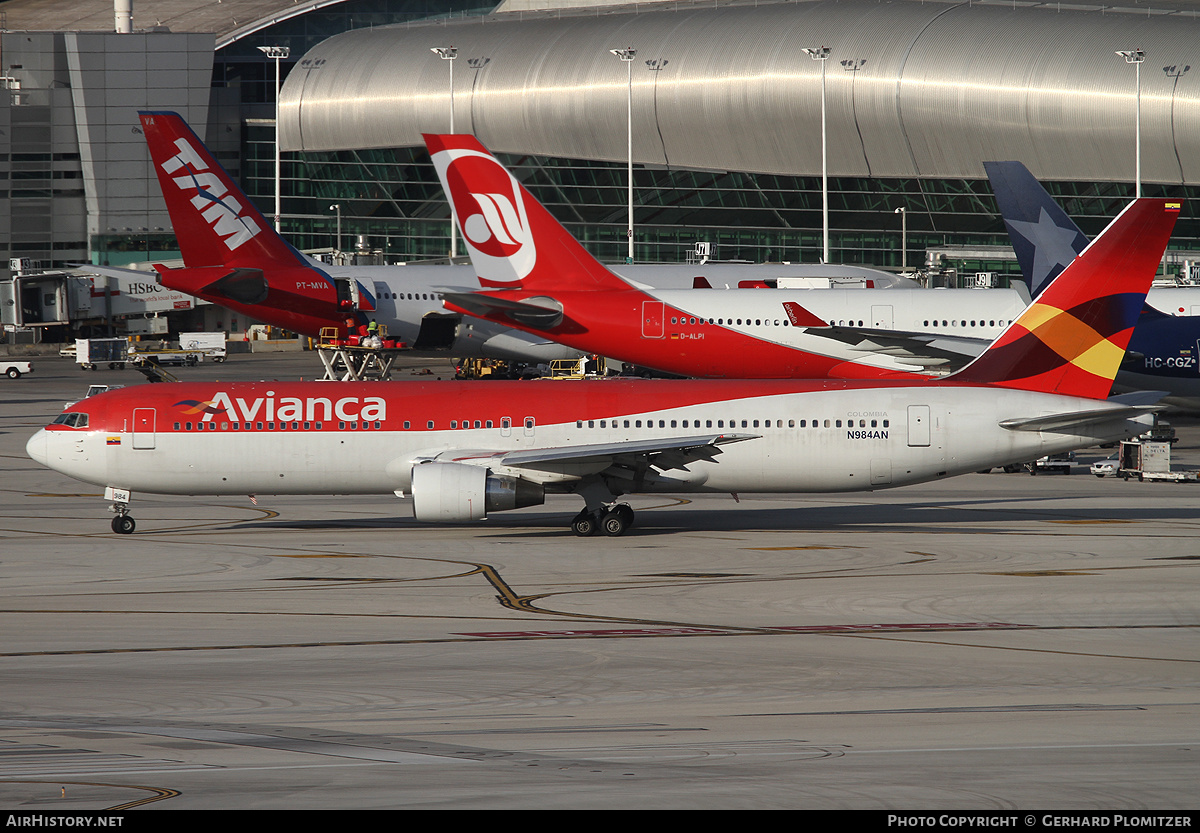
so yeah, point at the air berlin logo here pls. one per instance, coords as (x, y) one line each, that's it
(491, 208)
(221, 210)
(496, 229)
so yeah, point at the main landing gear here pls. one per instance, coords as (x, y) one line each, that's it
(612, 520)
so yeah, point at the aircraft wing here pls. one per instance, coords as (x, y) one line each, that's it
(663, 454)
(634, 460)
(923, 349)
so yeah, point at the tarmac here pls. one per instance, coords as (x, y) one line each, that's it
(993, 642)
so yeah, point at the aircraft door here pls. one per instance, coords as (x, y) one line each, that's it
(652, 319)
(881, 317)
(143, 428)
(347, 293)
(918, 426)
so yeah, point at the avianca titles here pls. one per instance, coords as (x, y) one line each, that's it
(462, 450)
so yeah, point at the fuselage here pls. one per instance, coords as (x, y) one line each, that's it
(760, 333)
(304, 438)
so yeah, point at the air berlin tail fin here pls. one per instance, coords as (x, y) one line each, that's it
(513, 241)
(1072, 338)
(215, 223)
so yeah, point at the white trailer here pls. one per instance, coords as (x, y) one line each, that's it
(1151, 460)
(210, 344)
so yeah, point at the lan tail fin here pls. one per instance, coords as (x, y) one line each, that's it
(1072, 338)
(1045, 239)
(215, 223)
(513, 241)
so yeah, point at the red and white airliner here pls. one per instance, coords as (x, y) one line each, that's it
(463, 449)
(539, 279)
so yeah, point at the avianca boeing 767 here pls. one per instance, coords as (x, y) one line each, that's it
(464, 449)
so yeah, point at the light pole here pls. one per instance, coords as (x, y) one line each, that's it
(277, 54)
(903, 238)
(337, 245)
(821, 53)
(627, 55)
(448, 54)
(1135, 57)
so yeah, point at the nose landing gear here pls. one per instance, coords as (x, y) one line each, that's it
(122, 523)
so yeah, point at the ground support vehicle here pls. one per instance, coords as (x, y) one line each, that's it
(1151, 460)
(13, 370)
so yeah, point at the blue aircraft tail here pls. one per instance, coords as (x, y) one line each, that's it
(1045, 239)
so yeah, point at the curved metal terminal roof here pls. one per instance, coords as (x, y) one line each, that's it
(228, 19)
(913, 89)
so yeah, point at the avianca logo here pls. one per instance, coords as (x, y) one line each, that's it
(212, 199)
(491, 208)
(287, 408)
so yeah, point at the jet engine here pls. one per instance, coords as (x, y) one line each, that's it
(457, 493)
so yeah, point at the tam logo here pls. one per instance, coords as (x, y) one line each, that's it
(222, 212)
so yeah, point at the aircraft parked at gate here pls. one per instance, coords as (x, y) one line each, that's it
(464, 449)
(233, 257)
(1164, 352)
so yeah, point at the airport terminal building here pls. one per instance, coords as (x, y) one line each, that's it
(719, 107)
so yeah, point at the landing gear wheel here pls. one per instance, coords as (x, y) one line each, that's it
(615, 523)
(584, 524)
(123, 525)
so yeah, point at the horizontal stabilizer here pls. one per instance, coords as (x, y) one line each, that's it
(241, 285)
(1064, 423)
(545, 315)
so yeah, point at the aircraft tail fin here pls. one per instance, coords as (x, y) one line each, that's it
(215, 222)
(1045, 239)
(513, 241)
(1072, 338)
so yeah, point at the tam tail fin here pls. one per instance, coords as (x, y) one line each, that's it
(1072, 338)
(215, 222)
(513, 241)
(1044, 238)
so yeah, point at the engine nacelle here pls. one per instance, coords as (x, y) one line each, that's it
(457, 493)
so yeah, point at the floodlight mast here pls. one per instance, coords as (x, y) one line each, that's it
(821, 53)
(1136, 57)
(448, 54)
(627, 55)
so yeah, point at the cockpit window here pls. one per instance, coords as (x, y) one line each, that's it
(74, 419)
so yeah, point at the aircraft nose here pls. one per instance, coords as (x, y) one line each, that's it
(36, 447)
